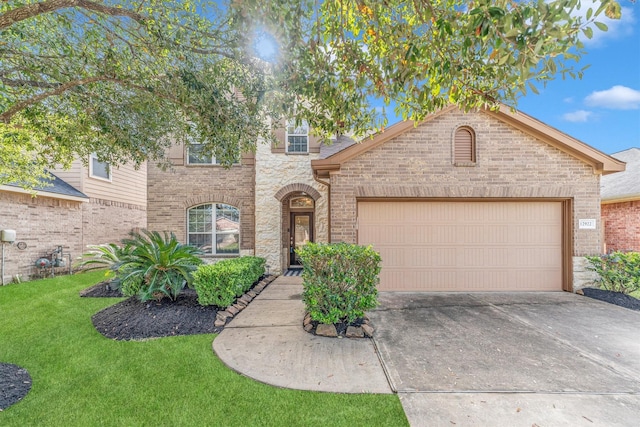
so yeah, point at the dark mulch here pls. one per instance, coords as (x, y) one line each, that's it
(132, 319)
(616, 298)
(341, 328)
(15, 383)
(101, 290)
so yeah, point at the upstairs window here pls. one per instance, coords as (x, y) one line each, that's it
(464, 146)
(297, 137)
(98, 169)
(196, 156)
(214, 228)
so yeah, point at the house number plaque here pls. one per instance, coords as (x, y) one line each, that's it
(587, 224)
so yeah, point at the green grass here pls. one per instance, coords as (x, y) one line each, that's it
(81, 378)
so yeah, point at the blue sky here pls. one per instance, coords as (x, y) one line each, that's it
(602, 109)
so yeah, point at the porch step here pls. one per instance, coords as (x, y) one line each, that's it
(293, 272)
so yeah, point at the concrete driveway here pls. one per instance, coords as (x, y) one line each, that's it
(495, 359)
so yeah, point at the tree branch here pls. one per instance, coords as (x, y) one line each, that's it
(29, 11)
(6, 116)
(32, 83)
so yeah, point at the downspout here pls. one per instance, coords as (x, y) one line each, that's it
(315, 177)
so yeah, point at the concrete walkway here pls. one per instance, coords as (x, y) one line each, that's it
(266, 342)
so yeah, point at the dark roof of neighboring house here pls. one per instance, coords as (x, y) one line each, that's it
(57, 186)
(624, 185)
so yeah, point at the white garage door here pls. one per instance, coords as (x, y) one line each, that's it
(465, 246)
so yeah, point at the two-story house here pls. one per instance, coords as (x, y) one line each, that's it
(484, 201)
(85, 205)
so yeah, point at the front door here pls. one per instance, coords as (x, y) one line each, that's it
(301, 232)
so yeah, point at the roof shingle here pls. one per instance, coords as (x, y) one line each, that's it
(626, 184)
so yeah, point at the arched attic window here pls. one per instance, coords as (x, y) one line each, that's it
(214, 228)
(464, 146)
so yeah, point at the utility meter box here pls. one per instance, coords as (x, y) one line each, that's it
(7, 236)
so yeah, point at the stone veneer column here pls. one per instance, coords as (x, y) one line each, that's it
(274, 171)
(582, 276)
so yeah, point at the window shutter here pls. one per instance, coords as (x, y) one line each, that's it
(464, 146)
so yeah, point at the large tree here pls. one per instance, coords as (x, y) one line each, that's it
(421, 55)
(124, 79)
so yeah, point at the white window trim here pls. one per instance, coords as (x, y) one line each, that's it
(287, 135)
(93, 157)
(214, 233)
(212, 163)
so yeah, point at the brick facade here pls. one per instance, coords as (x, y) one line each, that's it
(510, 164)
(171, 193)
(621, 226)
(44, 223)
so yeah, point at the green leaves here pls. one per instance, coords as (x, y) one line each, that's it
(221, 283)
(339, 281)
(125, 80)
(158, 262)
(617, 271)
(424, 56)
(113, 81)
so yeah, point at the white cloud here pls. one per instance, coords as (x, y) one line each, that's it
(616, 98)
(579, 116)
(618, 28)
(568, 100)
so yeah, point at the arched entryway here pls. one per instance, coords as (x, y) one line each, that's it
(298, 202)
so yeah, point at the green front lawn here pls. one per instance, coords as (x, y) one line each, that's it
(81, 378)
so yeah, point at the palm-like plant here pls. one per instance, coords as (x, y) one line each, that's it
(107, 256)
(159, 262)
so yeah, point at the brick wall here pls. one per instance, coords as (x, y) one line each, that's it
(621, 226)
(44, 223)
(171, 193)
(106, 221)
(510, 164)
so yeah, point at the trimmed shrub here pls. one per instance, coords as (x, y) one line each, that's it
(617, 271)
(221, 283)
(339, 281)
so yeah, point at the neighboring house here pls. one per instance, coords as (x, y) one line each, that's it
(84, 206)
(620, 195)
(484, 201)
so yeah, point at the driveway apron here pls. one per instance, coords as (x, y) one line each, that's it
(510, 359)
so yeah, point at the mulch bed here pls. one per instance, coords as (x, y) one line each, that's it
(133, 319)
(15, 383)
(101, 290)
(341, 328)
(616, 298)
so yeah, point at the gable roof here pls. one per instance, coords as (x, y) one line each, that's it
(601, 162)
(58, 189)
(623, 186)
